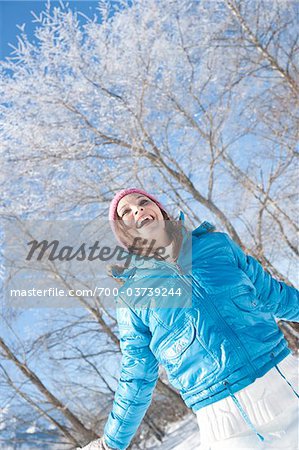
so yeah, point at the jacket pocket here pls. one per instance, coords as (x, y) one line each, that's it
(244, 298)
(179, 342)
(187, 360)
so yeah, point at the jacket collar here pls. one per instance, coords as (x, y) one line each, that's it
(147, 263)
(204, 228)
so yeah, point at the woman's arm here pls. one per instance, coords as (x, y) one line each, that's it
(139, 375)
(274, 296)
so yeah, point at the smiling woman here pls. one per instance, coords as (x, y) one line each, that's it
(142, 217)
(141, 223)
(220, 350)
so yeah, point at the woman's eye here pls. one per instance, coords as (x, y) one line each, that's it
(142, 202)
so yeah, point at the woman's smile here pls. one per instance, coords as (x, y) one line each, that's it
(144, 220)
(139, 212)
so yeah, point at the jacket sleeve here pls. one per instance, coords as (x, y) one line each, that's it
(274, 296)
(138, 377)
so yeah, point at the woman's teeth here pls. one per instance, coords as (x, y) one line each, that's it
(144, 220)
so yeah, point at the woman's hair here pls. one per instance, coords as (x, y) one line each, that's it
(173, 228)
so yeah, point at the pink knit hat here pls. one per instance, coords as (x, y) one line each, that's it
(118, 196)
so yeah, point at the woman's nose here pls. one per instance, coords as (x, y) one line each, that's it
(137, 209)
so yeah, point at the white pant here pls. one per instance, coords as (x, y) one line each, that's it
(270, 404)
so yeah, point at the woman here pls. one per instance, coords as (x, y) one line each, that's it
(198, 305)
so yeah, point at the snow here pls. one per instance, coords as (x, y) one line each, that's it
(32, 429)
(183, 435)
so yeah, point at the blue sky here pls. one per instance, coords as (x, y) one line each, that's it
(17, 12)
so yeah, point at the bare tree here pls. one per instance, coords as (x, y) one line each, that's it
(195, 101)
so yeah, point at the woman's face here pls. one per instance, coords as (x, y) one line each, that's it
(141, 216)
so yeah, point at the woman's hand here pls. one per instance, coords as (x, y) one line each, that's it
(98, 444)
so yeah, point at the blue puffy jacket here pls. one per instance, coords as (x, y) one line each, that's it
(212, 326)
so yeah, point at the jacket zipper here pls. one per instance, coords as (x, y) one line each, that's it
(229, 332)
(212, 310)
(221, 321)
